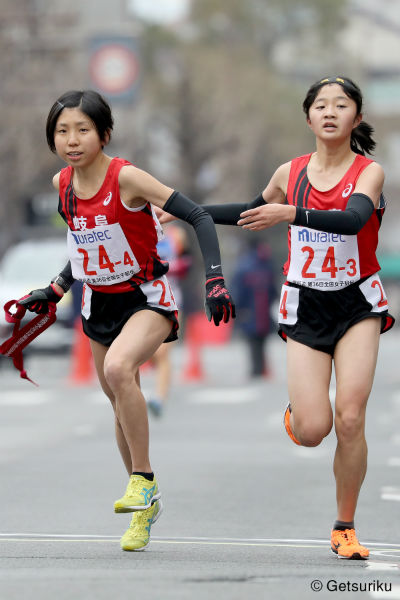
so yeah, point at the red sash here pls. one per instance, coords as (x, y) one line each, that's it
(21, 337)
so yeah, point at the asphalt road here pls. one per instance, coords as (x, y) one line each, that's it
(247, 513)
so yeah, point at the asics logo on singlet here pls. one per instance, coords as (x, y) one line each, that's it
(307, 235)
(347, 190)
(107, 199)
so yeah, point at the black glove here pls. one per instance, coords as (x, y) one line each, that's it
(219, 304)
(38, 300)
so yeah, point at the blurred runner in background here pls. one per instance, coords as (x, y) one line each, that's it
(172, 248)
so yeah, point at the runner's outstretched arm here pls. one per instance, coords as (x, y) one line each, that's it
(219, 303)
(229, 214)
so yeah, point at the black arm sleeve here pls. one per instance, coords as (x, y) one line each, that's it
(229, 214)
(185, 209)
(66, 273)
(349, 221)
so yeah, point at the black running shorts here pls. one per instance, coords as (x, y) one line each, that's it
(319, 319)
(104, 315)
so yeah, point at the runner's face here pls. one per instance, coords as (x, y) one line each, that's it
(76, 138)
(333, 115)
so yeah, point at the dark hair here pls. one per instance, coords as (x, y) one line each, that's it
(90, 103)
(361, 140)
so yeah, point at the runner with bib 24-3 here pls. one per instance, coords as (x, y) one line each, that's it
(333, 306)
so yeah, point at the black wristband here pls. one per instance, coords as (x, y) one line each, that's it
(65, 278)
(59, 280)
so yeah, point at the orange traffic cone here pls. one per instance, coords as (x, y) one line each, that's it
(200, 332)
(193, 370)
(82, 369)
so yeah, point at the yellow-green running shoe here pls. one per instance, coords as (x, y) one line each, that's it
(137, 537)
(140, 494)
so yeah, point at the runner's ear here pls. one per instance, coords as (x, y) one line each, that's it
(106, 139)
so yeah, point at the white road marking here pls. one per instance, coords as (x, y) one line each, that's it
(84, 430)
(381, 549)
(29, 397)
(97, 397)
(396, 398)
(394, 594)
(390, 493)
(381, 566)
(311, 453)
(222, 396)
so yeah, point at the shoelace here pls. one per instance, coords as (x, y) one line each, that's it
(350, 535)
(136, 487)
(133, 486)
(141, 521)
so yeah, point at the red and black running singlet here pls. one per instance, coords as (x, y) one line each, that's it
(112, 247)
(329, 261)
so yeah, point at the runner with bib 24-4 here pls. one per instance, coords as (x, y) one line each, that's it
(333, 306)
(128, 306)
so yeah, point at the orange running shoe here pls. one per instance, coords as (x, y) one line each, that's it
(286, 422)
(346, 545)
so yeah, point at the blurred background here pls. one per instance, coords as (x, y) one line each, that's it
(206, 96)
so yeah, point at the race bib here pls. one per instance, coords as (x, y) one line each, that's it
(288, 305)
(101, 256)
(321, 260)
(159, 293)
(374, 293)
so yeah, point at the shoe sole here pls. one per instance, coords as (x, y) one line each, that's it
(160, 510)
(127, 509)
(355, 556)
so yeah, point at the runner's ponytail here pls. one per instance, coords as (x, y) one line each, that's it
(361, 140)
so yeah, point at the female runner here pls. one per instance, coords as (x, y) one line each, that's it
(128, 307)
(332, 306)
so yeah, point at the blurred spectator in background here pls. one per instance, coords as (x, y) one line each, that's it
(254, 290)
(174, 249)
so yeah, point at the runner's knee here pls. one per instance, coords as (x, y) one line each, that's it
(119, 373)
(349, 423)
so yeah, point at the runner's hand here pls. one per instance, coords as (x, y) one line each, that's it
(38, 300)
(162, 216)
(219, 303)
